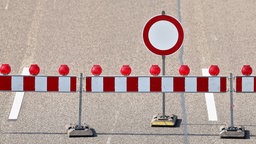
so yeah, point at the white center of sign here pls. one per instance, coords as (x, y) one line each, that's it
(163, 35)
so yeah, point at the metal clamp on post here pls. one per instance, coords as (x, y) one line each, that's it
(80, 130)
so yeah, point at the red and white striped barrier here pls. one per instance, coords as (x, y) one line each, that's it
(245, 84)
(156, 84)
(38, 83)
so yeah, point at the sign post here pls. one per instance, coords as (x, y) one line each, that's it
(163, 35)
(163, 73)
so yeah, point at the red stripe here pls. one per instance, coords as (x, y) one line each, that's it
(202, 84)
(132, 84)
(155, 84)
(5, 82)
(52, 83)
(179, 84)
(29, 83)
(88, 87)
(223, 84)
(73, 84)
(238, 84)
(108, 84)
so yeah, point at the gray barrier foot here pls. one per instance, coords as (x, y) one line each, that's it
(234, 132)
(82, 131)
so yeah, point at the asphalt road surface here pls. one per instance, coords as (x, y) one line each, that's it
(81, 33)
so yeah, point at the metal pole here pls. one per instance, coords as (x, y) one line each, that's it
(231, 102)
(163, 73)
(80, 100)
(163, 12)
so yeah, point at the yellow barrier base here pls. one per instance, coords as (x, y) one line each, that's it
(164, 121)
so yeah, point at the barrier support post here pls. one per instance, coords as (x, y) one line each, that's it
(232, 131)
(80, 100)
(80, 130)
(231, 102)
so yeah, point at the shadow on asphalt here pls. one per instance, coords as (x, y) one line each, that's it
(116, 134)
(179, 121)
(35, 133)
(110, 133)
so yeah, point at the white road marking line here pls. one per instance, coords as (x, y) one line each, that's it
(7, 5)
(110, 137)
(210, 103)
(54, 4)
(18, 100)
(32, 38)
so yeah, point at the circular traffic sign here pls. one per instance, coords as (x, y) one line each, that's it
(163, 35)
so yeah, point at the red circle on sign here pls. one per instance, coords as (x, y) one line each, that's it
(155, 49)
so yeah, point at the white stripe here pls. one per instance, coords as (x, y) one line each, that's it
(40, 83)
(144, 84)
(210, 103)
(17, 83)
(64, 84)
(17, 100)
(247, 84)
(214, 84)
(211, 108)
(97, 84)
(190, 84)
(54, 4)
(7, 5)
(167, 84)
(120, 84)
(113, 126)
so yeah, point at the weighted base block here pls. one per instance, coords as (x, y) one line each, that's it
(164, 121)
(83, 131)
(234, 132)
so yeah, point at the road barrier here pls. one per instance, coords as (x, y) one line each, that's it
(19, 83)
(137, 84)
(168, 84)
(245, 84)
